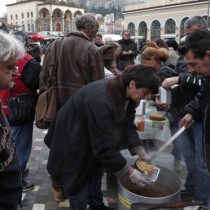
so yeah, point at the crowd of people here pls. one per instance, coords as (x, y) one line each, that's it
(98, 88)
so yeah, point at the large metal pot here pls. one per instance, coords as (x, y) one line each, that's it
(167, 189)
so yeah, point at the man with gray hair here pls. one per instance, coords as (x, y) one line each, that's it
(10, 174)
(194, 23)
(79, 63)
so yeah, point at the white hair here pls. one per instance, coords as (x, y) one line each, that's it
(108, 40)
(10, 47)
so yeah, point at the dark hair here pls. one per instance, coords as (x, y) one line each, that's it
(3, 27)
(197, 41)
(126, 30)
(161, 43)
(99, 34)
(144, 76)
(182, 48)
(172, 43)
(21, 35)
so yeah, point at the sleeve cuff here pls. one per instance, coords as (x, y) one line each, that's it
(123, 171)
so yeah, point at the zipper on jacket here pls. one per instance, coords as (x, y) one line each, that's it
(204, 138)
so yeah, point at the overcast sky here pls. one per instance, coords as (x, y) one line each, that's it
(3, 8)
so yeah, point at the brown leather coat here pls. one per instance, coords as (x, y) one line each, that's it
(80, 62)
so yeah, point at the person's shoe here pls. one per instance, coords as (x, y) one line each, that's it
(187, 196)
(58, 194)
(177, 166)
(184, 192)
(26, 172)
(101, 207)
(27, 186)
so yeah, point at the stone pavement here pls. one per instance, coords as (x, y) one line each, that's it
(41, 197)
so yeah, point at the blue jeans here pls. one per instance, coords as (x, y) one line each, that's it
(23, 140)
(198, 177)
(90, 195)
(174, 126)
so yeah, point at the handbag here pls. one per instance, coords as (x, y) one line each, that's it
(47, 102)
(46, 108)
(22, 108)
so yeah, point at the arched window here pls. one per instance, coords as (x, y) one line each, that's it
(29, 27)
(170, 27)
(32, 27)
(131, 28)
(143, 29)
(155, 30)
(182, 30)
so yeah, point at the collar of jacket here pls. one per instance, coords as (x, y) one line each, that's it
(125, 41)
(117, 95)
(80, 34)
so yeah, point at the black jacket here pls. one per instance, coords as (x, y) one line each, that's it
(88, 132)
(200, 110)
(10, 175)
(189, 86)
(125, 60)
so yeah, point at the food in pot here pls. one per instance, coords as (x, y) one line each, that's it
(145, 167)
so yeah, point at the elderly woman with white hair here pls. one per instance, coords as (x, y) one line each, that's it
(10, 176)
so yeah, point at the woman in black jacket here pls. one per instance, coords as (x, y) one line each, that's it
(91, 127)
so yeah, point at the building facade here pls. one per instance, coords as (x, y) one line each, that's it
(163, 19)
(43, 15)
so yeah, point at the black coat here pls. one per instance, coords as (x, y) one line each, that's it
(125, 60)
(10, 175)
(88, 132)
(200, 109)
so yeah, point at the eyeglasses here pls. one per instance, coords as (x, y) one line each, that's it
(126, 35)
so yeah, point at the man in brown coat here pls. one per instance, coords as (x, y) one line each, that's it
(80, 61)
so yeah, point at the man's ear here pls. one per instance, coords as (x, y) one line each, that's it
(132, 83)
(208, 54)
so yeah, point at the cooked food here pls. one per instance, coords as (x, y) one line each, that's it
(145, 167)
(156, 116)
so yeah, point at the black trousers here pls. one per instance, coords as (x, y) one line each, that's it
(10, 186)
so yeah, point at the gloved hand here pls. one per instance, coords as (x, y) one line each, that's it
(143, 155)
(137, 178)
